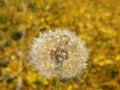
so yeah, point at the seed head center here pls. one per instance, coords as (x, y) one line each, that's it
(59, 55)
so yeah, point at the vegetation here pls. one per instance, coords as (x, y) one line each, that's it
(96, 21)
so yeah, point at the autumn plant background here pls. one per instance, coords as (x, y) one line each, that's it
(96, 21)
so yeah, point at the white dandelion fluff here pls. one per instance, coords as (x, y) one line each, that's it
(58, 52)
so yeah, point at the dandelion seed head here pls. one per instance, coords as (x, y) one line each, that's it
(58, 52)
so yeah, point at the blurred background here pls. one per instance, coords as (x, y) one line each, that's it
(96, 21)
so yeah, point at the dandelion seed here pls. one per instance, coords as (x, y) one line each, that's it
(58, 53)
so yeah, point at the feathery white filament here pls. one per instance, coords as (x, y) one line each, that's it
(59, 49)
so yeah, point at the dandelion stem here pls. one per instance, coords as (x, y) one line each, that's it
(57, 83)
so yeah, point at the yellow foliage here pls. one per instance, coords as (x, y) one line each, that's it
(96, 21)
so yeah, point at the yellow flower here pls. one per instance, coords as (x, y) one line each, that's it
(58, 52)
